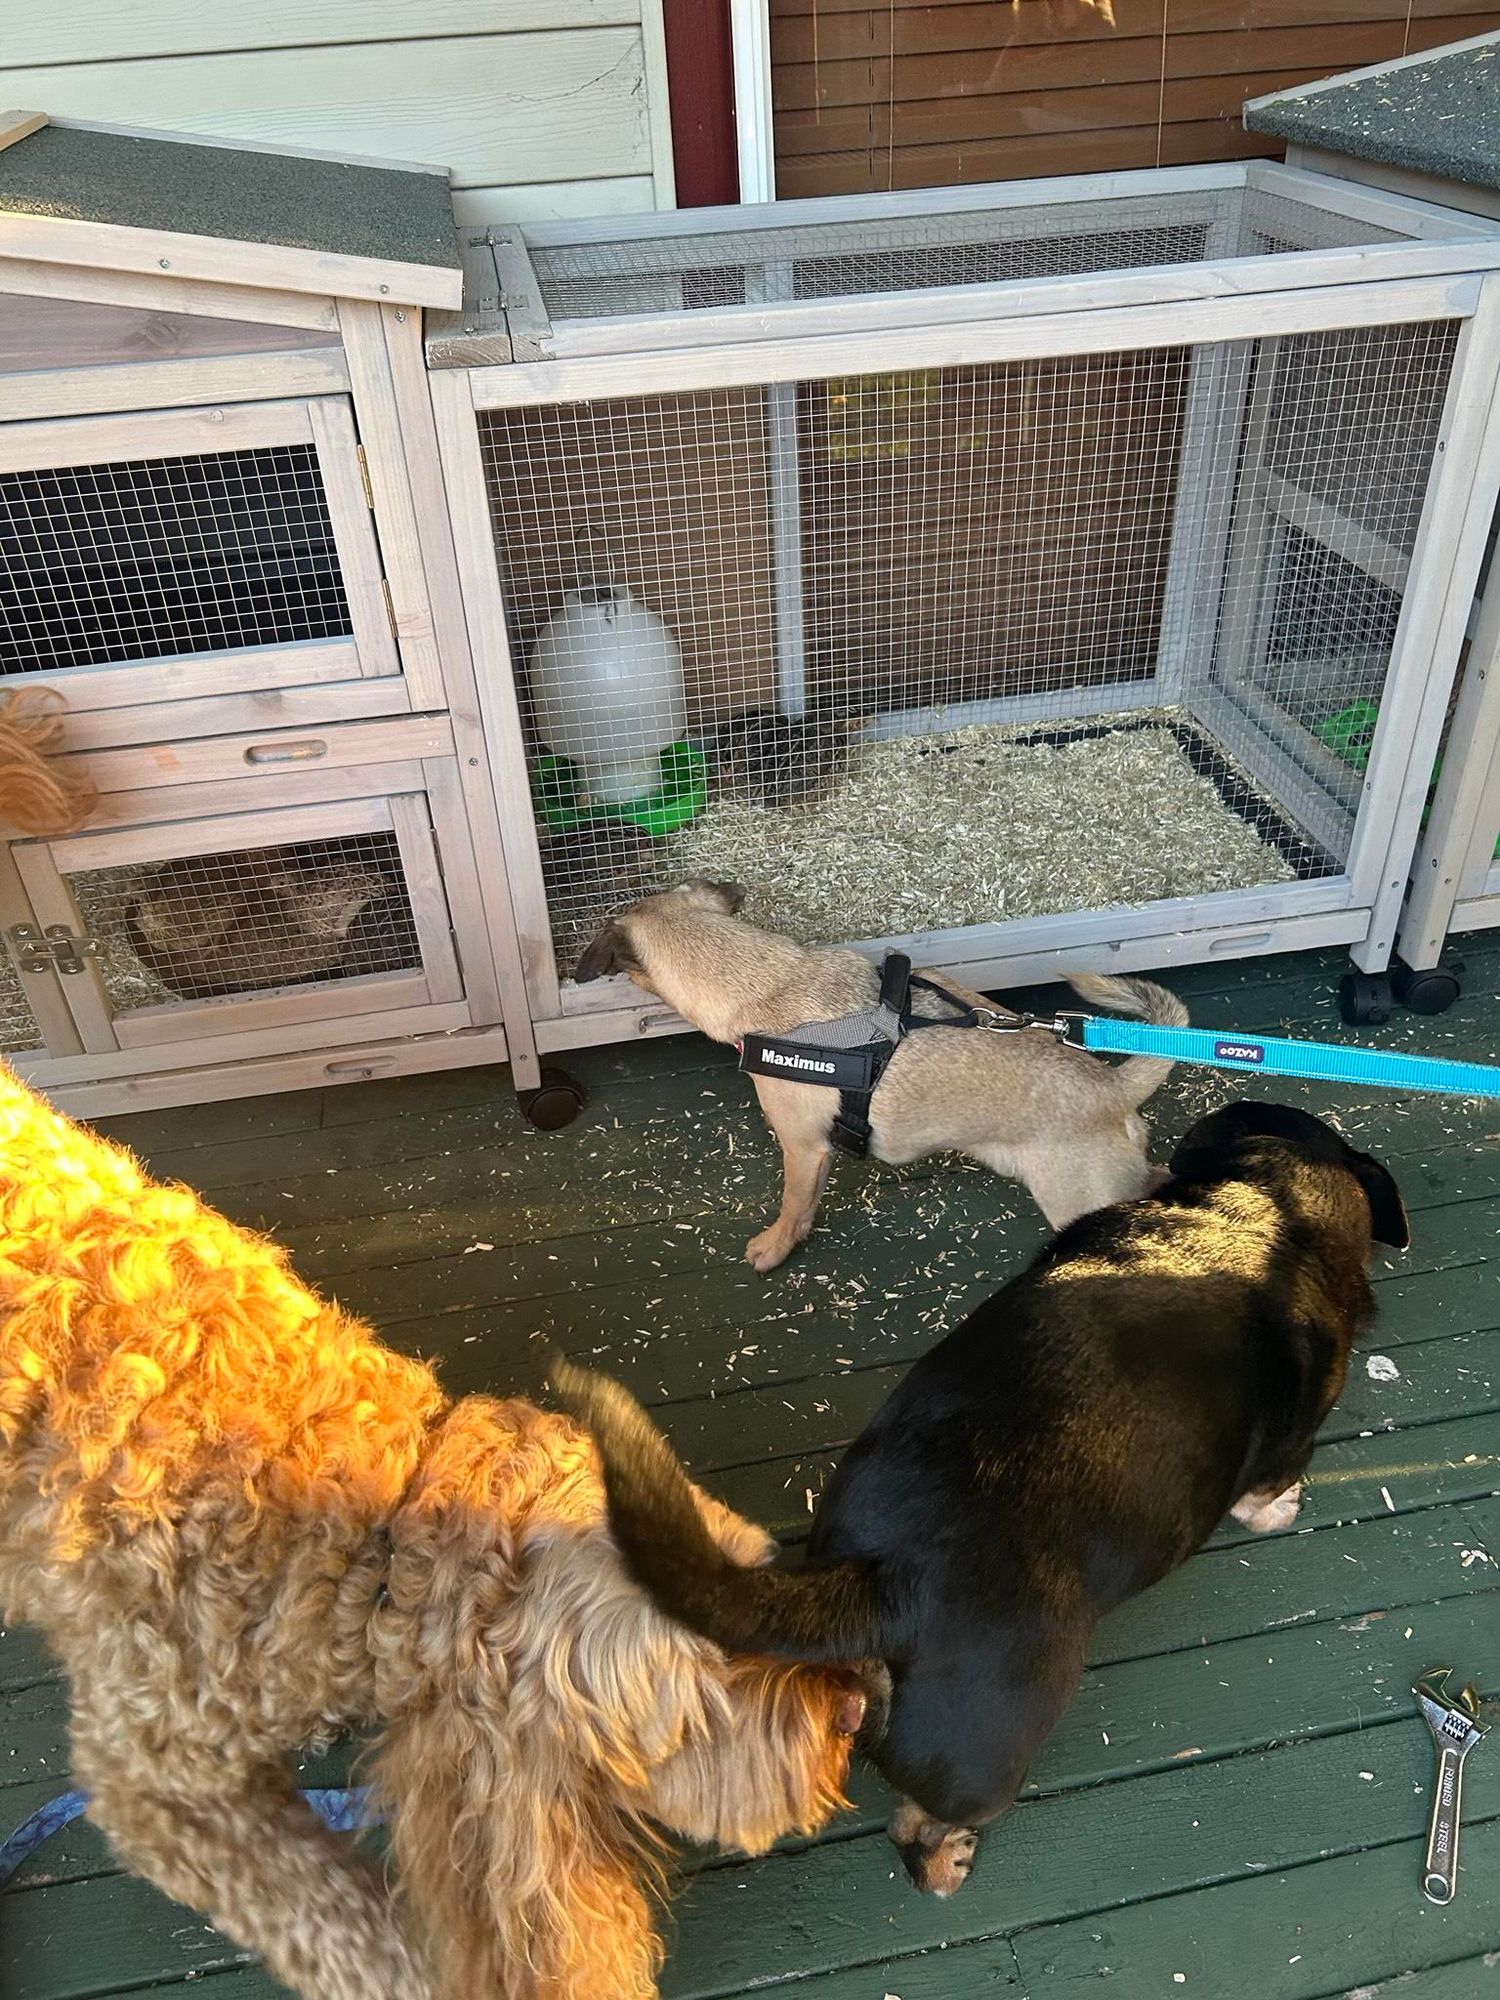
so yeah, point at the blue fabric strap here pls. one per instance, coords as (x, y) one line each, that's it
(1274, 1055)
(43, 1823)
(343, 1808)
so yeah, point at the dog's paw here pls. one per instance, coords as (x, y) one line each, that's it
(939, 1858)
(1267, 1513)
(768, 1249)
(953, 1863)
(942, 1868)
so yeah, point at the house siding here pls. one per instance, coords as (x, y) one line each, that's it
(539, 108)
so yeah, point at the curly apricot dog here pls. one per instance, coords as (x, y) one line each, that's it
(39, 793)
(243, 1524)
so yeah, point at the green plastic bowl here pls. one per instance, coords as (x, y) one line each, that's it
(680, 797)
(1349, 735)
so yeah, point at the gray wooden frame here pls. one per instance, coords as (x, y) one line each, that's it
(1430, 242)
(325, 424)
(1445, 569)
(357, 1052)
(45, 867)
(1455, 884)
(113, 247)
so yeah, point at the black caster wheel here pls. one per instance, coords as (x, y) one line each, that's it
(556, 1101)
(1364, 999)
(1430, 992)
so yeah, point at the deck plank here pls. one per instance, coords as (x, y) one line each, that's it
(1350, 1480)
(1063, 1856)
(1350, 1923)
(1130, 1716)
(1313, 1686)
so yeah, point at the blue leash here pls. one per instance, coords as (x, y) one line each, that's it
(1277, 1055)
(343, 1808)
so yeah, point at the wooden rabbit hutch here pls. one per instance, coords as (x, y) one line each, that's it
(223, 543)
(990, 571)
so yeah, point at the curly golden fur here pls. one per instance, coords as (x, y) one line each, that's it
(243, 1524)
(38, 794)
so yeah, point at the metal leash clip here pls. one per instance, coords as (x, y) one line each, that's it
(1002, 1022)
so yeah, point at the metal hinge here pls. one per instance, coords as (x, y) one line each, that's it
(55, 949)
(390, 605)
(364, 477)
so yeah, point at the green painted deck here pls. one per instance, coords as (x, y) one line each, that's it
(1233, 1807)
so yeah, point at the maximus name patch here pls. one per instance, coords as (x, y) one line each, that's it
(805, 1062)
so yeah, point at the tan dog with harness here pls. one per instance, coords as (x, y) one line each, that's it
(1025, 1105)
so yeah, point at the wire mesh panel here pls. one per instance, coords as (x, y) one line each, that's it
(987, 532)
(18, 1027)
(114, 563)
(1274, 225)
(891, 649)
(1339, 446)
(259, 920)
(685, 271)
(585, 283)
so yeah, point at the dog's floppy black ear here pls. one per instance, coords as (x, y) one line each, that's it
(1388, 1223)
(609, 952)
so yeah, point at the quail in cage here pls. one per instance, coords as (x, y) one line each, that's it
(600, 860)
(776, 761)
(246, 922)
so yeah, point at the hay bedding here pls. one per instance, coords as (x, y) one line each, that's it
(971, 826)
(18, 1028)
(103, 897)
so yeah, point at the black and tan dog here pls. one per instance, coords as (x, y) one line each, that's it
(1161, 1363)
(1054, 1117)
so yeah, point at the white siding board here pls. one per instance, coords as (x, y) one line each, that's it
(497, 109)
(90, 31)
(556, 201)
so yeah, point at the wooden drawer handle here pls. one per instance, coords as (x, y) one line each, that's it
(357, 1069)
(307, 752)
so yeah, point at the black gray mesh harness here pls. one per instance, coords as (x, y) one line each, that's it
(849, 1055)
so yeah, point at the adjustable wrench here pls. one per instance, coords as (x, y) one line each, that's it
(1456, 1728)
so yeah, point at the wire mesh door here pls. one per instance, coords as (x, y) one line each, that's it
(1339, 441)
(20, 1032)
(188, 552)
(949, 648)
(224, 926)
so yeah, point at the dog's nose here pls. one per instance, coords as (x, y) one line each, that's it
(852, 1711)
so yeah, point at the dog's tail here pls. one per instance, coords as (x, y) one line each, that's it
(816, 1615)
(1142, 1000)
(38, 794)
